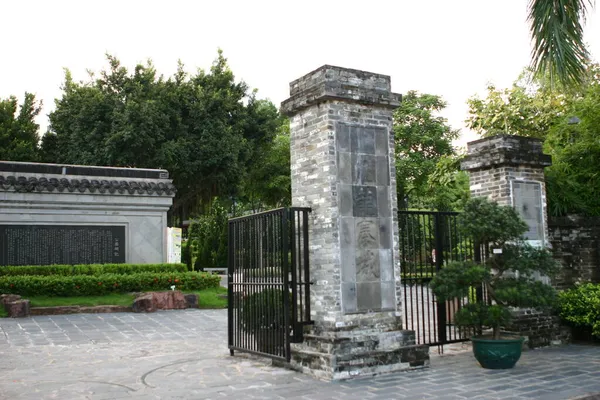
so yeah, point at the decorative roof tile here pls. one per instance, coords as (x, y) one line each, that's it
(42, 184)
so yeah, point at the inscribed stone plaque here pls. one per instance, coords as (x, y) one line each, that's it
(344, 167)
(383, 201)
(381, 142)
(368, 296)
(527, 199)
(364, 169)
(61, 244)
(367, 265)
(343, 138)
(346, 199)
(349, 296)
(347, 233)
(367, 233)
(383, 171)
(364, 201)
(362, 140)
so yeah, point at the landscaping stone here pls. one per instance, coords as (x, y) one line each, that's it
(152, 301)
(192, 300)
(60, 310)
(144, 303)
(170, 300)
(7, 298)
(17, 308)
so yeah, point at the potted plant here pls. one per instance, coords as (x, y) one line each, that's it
(512, 274)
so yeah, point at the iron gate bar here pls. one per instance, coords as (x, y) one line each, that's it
(429, 239)
(268, 288)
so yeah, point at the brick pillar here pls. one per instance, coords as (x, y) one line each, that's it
(510, 171)
(342, 158)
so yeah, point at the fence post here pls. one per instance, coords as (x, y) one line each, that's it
(230, 293)
(439, 262)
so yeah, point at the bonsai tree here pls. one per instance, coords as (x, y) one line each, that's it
(511, 273)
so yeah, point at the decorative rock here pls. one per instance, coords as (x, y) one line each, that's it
(171, 300)
(8, 298)
(144, 303)
(152, 301)
(192, 300)
(17, 308)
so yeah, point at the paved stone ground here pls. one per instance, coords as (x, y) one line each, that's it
(183, 355)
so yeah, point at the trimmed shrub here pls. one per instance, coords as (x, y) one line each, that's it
(580, 307)
(90, 269)
(94, 285)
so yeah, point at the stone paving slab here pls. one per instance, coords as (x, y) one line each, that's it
(183, 354)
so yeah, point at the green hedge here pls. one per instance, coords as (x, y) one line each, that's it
(580, 307)
(90, 285)
(90, 269)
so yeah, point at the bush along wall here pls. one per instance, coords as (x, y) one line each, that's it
(90, 269)
(94, 285)
(579, 307)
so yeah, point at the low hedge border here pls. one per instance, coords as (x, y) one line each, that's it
(89, 269)
(91, 285)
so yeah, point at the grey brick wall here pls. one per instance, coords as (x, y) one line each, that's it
(575, 243)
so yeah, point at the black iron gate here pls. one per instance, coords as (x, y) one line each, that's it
(428, 240)
(269, 302)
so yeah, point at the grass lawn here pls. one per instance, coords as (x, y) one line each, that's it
(3, 313)
(116, 299)
(209, 298)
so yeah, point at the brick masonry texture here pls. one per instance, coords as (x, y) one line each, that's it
(575, 242)
(348, 180)
(493, 163)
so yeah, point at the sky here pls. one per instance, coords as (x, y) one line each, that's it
(449, 48)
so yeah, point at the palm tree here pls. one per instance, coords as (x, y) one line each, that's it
(557, 35)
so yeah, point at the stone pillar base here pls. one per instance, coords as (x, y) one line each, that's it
(344, 355)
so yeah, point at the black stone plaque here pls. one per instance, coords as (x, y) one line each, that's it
(61, 244)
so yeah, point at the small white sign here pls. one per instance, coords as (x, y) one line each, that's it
(173, 245)
(497, 251)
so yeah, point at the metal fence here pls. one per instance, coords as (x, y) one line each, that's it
(269, 302)
(428, 240)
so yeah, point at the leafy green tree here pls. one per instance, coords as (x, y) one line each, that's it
(448, 186)
(529, 108)
(268, 182)
(421, 138)
(567, 119)
(18, 130)
(509, 277)
(204, 128)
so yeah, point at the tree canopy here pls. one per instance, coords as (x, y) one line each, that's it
(423, 139)
(18, 129)
(566, 118)
(206, 129)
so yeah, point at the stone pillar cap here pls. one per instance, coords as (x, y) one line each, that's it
(336, 83)
(505, 150)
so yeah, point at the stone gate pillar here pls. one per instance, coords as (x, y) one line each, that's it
(342, 160)
(510, 171)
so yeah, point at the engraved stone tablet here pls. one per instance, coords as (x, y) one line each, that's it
(364, 201)
(364, 169)
(367, 265)
(61, 244)
(527, 198)
(367, 233)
